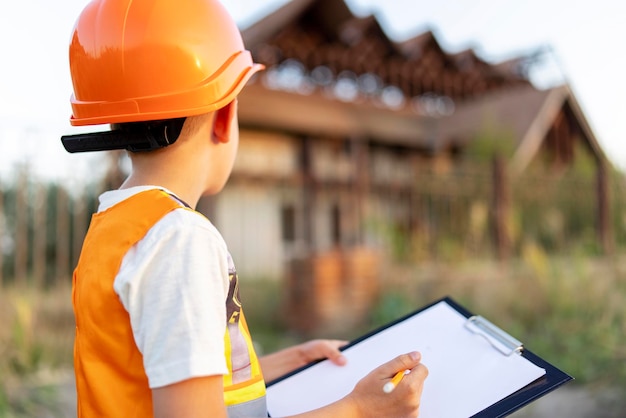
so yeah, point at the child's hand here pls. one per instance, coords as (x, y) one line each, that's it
(289, 359)
(370, 400)
(322, 349)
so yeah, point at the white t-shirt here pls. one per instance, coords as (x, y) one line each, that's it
(174, 284)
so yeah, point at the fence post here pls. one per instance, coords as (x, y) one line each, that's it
(501, 205)
(40, 233)
(21, 228)
(79, 226)
(361, 183)
(62, 234)
(309, 194)
(603, 214)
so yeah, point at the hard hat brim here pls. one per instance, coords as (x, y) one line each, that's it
(180, 104)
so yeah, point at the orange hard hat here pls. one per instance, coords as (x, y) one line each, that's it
(143, 60)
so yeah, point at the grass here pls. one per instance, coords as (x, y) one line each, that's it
(36, 339)
(569, 310)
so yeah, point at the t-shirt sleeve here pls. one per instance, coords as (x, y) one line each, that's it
(174, 284)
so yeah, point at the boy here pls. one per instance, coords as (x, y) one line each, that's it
(159, 326)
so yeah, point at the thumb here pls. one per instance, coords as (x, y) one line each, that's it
(402, 362)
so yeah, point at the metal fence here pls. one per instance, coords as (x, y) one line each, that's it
(42, 225)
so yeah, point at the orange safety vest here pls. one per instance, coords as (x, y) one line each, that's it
(110, 377)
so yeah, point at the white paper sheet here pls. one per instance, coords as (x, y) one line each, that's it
(466, 373)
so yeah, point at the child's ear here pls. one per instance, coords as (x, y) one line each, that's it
(222, 122)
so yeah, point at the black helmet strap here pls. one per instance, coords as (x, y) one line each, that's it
(132, 136)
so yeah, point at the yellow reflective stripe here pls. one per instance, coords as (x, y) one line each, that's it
(248, 391)
(256, 367)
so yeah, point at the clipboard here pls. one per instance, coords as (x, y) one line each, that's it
(553, 378)
(480, 328)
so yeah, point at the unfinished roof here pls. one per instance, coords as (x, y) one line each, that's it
(326, 33)
(333, 73)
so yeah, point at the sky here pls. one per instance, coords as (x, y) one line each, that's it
(585, 41)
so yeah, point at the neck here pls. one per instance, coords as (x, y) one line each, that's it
(186, 194)
(163, 169)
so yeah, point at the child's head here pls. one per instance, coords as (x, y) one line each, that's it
(152, 63)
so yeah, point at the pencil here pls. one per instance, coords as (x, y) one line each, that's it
(395, 380)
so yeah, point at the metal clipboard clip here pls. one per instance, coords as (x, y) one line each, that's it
(499, 339)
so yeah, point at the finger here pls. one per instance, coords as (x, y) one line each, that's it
(414, 381)
(403, 362)
(332, 352)
(322, 349)
(419, 372)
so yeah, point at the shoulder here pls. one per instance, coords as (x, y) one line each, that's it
(184, 224)
(180, 223)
